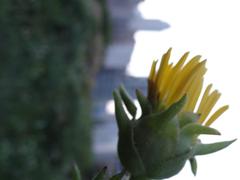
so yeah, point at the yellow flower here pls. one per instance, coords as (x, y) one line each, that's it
(166, 134)
(168, 83)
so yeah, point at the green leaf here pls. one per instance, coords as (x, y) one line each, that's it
(196, 129)
(121, 116)
(193, 163)
(144, 103)
(76, 173)
(202, 149)
(132, 109)
(101, 174)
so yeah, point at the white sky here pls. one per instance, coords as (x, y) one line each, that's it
(210, 28)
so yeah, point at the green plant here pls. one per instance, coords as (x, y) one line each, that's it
(157, 144)
(166, 135)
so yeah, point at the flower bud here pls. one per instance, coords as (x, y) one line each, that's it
(158, 144)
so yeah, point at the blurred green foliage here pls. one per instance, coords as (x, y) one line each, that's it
(49, 50)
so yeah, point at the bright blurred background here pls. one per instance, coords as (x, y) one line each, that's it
(207, 28)
(61, 60)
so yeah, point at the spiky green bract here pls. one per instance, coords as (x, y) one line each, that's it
(101, 175)
(202, 149)
(144, 103)
(76, 175)
(157, 145)
(132, 109)
(128, 154)
(193, 163)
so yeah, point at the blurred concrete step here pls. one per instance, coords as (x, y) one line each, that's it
(118, 55)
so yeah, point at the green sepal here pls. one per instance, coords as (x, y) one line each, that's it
(128, 156)
(157, 146)
(101, 174)
(193, 163)
(186, 118)
(202, 149)
(76, 175)
(174, 109)
(127, 152)
(121, 116)
(160, 119)
(132, 109)
(169, 167)
(197, 129)
(144, 103)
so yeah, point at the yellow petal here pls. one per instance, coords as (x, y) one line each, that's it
(204, 98)
(181, 61)
(162, 68)
(153, 71)
(191, 65)
(181, 75)
(211, 101)
(186, 81)
(218, 113)
(165, 81)
(193, 94)
(169, 86)
(194, 89)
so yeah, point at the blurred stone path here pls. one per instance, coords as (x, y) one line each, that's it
(125, 21)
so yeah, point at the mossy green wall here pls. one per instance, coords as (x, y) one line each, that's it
(49, 50)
